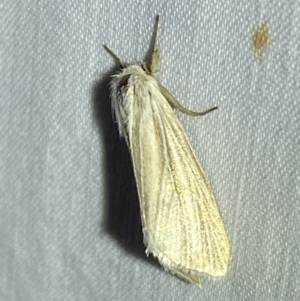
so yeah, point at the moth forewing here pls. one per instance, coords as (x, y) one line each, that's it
(181, 222)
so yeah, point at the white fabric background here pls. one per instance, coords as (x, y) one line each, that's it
(69, 223)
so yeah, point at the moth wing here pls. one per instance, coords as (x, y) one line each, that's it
(181, 222)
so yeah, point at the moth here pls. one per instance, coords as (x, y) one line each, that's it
(181, 223)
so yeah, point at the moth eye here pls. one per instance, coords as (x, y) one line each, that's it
(123, 84)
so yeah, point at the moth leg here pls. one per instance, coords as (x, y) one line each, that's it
(115, 57)
(155, 52)
(174, 103)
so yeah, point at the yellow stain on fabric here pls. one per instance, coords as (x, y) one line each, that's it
(260, 39)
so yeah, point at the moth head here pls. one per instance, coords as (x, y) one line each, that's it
(126, 93)
(124, 86)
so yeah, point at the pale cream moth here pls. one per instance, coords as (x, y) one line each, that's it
(181, 222)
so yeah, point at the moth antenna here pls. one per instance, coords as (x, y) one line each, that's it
(155, 52)
(115, 57)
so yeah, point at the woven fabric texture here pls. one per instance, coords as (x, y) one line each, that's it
(69, 215)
